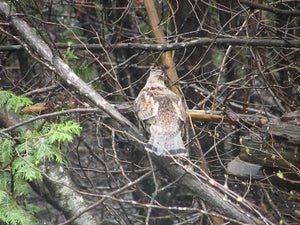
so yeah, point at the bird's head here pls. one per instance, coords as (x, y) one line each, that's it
(156, 77)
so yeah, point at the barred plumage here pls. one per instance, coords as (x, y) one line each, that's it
(163, 111)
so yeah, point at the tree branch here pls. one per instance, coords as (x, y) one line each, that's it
(255, 5)
(238, 41)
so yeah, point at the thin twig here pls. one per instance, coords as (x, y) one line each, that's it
(154, 194)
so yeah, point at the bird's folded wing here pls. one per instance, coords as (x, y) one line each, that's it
(177, 104)
(146, 106)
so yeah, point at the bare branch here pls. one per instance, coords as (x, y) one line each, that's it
(219, 41)
(255, 5)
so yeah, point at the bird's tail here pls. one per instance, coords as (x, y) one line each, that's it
(160, 144)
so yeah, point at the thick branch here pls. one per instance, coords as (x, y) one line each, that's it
(205, 191)
(219, 117)
(240, 41)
